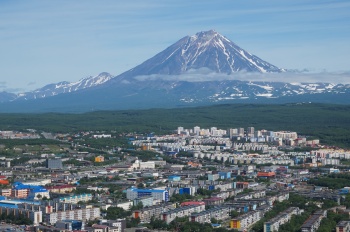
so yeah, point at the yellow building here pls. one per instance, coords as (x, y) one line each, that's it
(99, 159)
(235, 224)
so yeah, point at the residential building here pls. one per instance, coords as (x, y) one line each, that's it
(282, 218)
(54, 163)
(145, 201)
(70, 225)
(185, 211)
(66, 188)
(187, 203)
(157, 194)
(314, 221)
(156, 211)
(343, 226)
(74, 199)
(213, 201)
(245, 221)
(118, 225)
(16, 209)
(218, 213)
(84, 214)
(99, 159)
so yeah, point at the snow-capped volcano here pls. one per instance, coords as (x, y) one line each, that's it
(206, 49)
(175, 77)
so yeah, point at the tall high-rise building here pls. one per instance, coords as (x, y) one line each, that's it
(232, 132)
(250, 131)
(196, 130)
(241, 131)
(180, 129)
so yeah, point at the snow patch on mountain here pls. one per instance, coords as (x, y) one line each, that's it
(65, 87)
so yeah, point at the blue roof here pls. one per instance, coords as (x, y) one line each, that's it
(19, 186)
(8, 205)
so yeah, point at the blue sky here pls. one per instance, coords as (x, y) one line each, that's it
(44, 42)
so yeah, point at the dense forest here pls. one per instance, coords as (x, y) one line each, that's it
(330, 123)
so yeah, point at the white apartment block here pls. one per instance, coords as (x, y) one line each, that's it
(243, 222)
(156, 211)
(219, 213)
(182, 212)
(77, 214)
(282, 218)
(76, 198)
(286, 135)
(314, 221)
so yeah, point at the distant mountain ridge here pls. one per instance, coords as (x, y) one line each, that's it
(58, 88)
(165, 81)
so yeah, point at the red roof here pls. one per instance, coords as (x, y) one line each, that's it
(266, 174)
(192, 203)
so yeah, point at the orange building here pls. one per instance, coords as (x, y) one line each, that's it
(194, 165)
(99, 159)
(4, 182)
(235, 224)
(266, 174)
(20, 193)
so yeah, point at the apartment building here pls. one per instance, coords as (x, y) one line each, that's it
(157, 194)
(76, 214)
(218, 213)
(182, 212)
(66, 188)
(156, 211)
(117, 225)
(213, 201)
(20, 193)
(282, 218)
(314, 221)
(245, 221)
(343, 226)
(34, 215)
(76, 198)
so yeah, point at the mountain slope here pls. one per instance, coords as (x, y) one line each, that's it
(206, 49)
(65, 87)
(5, 96)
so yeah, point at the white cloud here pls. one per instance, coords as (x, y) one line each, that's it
(204, 74)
